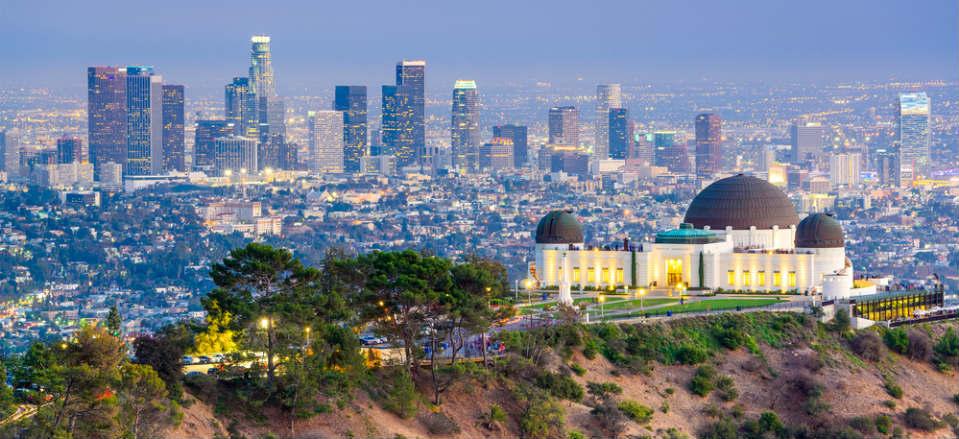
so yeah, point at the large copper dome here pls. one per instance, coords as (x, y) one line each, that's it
(740, 202)
(559, 227)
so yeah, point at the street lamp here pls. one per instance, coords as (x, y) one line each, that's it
(641, 292)
(602, 310)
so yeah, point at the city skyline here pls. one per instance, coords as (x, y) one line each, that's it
(852, 41)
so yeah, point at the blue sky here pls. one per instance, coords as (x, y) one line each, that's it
(203, 43)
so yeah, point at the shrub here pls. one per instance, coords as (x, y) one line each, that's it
(590, 349)
(897, 340)
(577, 369)
(726, 388)
(636, 412)
(401, 396)
(576, 435)
(892, 388)
(867, 346)
(920, 419)
(769, 422)
(688, 354)
(920, 345)
(947, 349)
(883, 424)
(673, 433)
(560, 386)
(440, 424)
(889, 404)
(863, 424)
(611, 419)
(603, 390)
(493, 418)
(703, 381)
(841, 321)
(664, 407)
(722, 429)
(542, 419)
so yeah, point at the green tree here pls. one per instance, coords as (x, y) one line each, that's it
(163, 352)
(144, 404)
(114, 321)
(947, 348)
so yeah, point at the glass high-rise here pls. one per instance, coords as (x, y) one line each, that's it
(709, 138)
(144, 92)
(397, 132)
(326, 141)
(618, 126)
(410, 81)
(174, 143)
(913, 135)
(71, 149)
(608, 97)
(465, 130)
(517, 133)
(240, 106)
(564, 126)
(107, 115)
(206, 132)
(351, 100)
(807, 141)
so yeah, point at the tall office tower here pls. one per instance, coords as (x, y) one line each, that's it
(234, 155)
(174, 142)
(670, 153)
(608, 97)
(206, 133)
(516, 133)
(913, 136)
(144, 121)
(261, 79)
(107, 115)
(643, 145)
(351, 100)
(240, 107)
(326, 141)
(807, 141)
(411, 76)
(10, 153)
(709, 138)
(564, 126)
(397, 133)
(618, 126)
(497, 154)
(71, 149)
(465, 131)
(887, 166)
(844, 169)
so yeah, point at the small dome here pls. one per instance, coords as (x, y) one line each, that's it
(741, 202)
(819, 230)
(559, 227)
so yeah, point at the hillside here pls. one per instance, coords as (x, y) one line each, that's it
(810, 376)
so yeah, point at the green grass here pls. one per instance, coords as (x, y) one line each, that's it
(527, 309)
(635, 303)
(708, 305)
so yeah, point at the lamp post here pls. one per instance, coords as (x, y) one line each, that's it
(267, 324)
(642, 308)
(602, 299)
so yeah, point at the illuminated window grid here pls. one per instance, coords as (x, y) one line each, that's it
(590, 275)
(792, 279)
(731, 277)
(761, 278)
(777, 279)
(747, 278)
(604, 275)
(576, 275)
(620, 276)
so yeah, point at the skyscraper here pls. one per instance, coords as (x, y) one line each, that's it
(234, 155)
(397, 133)
(261, 67)
(411, 78)
(497, 154)
(807, 141)
(564, 126)
(465, 129)
(670, 153)
(326, 141)
(709, 138)
(174, 142)
(10, 153)
(144, 121)
(608, 97)
(240, 107)
(618, 126)
(886, 164)
(107, 115)
(844, 169)
(351, 100)
(71, 149)
(913, 135)
(206, 133)
(516, 133)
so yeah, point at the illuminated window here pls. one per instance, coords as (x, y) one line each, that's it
(777, 279)
(604, 276)
(576, 274)
(747, 278)
(792, 279)
(590, 275)
(731, 277)
(619, 275)
(674, 271)
(761, 278)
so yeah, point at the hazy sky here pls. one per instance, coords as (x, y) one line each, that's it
(203, 43)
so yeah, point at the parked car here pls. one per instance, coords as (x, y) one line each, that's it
(219, 358)
(187, 359)
(205, 360)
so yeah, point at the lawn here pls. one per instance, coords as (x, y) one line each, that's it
(707, 305)
(635, 303)
(539, 306)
